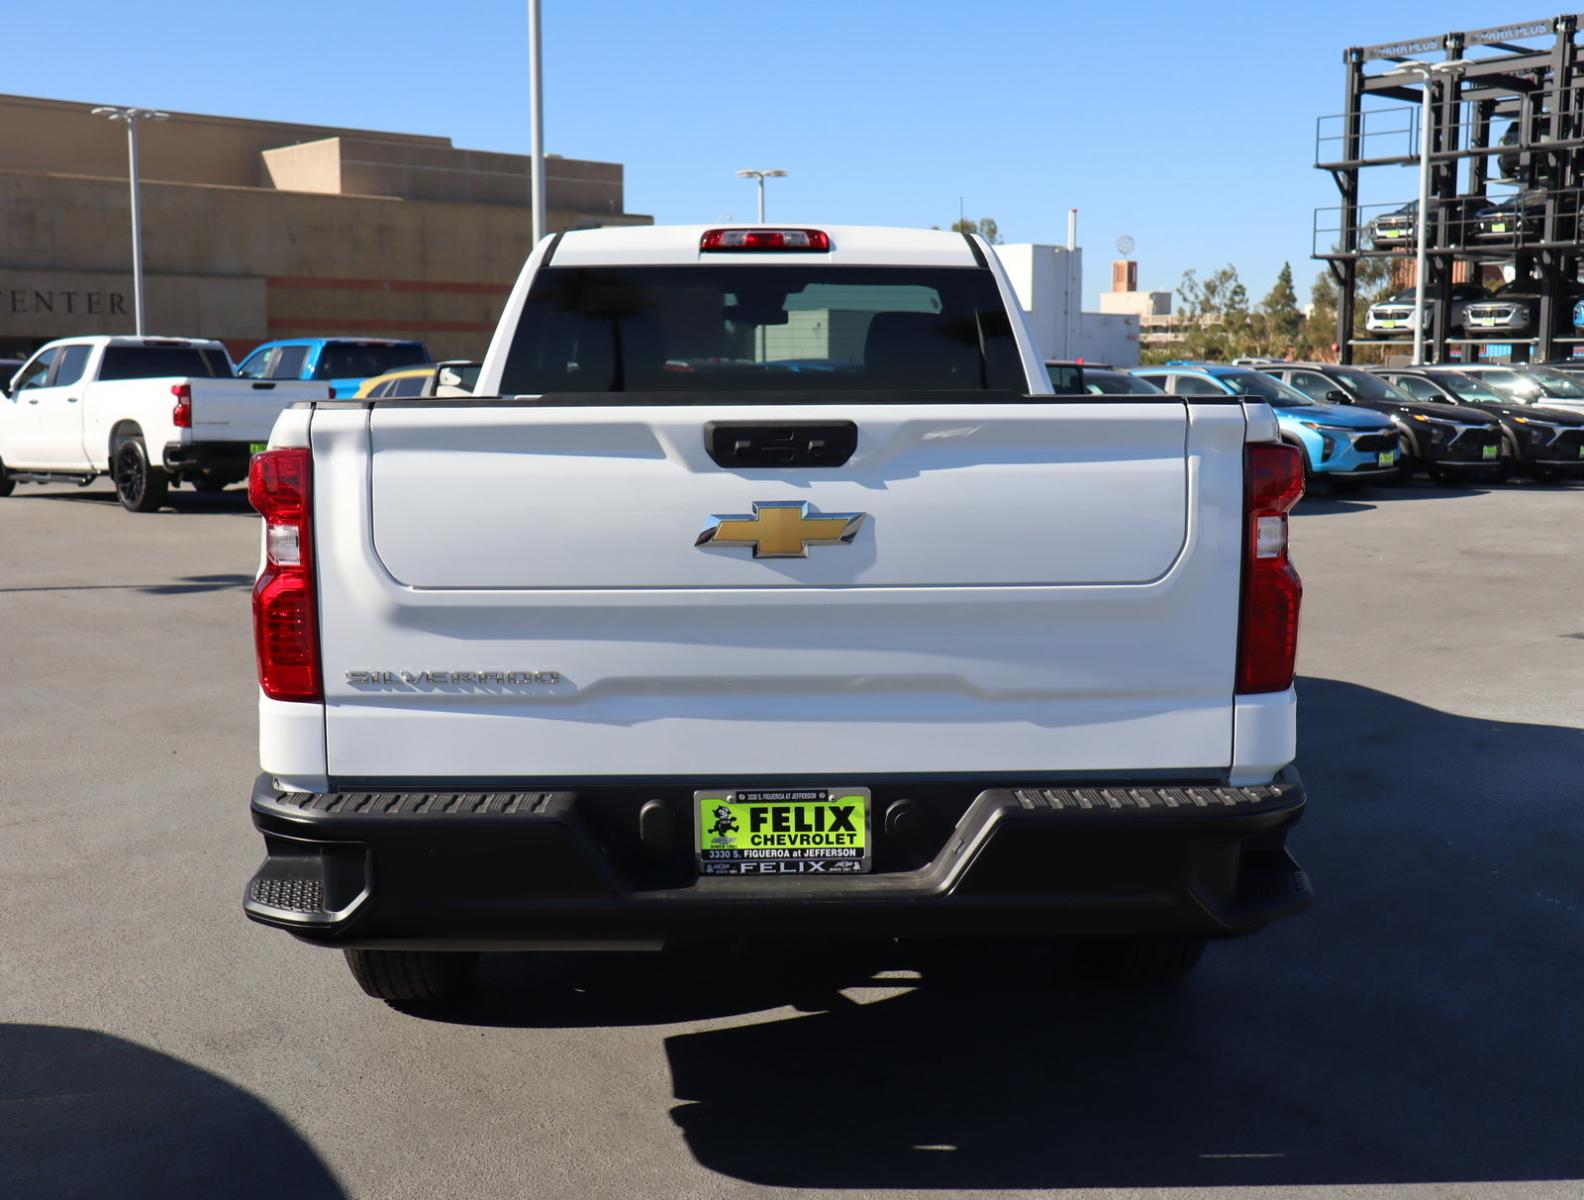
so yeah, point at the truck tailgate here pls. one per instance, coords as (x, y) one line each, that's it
(244, 410)
(514, 591)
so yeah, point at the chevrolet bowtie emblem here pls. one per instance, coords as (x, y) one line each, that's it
(782, 529)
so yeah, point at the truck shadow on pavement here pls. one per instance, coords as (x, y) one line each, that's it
(233, 501)
(185, 586)
(87, 1114)
(1419, 1024)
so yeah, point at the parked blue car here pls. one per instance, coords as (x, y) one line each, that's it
(1340, 443)
(342, 362)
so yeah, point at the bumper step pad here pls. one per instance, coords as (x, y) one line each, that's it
(1133, 800)
(424, 804)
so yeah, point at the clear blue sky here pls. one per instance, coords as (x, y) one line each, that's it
(1189, 126)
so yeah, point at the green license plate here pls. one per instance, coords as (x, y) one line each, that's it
(1581, 451)
(783, 831)
(257, 447)
(1499, 227)
(1491, 451)
(1385, 458)
(1388, 324)
(1391, 233)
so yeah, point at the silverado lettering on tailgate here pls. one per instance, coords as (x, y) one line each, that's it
(451, 678)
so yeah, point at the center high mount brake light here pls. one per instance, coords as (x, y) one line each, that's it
(804, 241)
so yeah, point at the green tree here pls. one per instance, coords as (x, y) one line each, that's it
(1282, 320)
(1319, 327)
(1216, 322)
(985, 227)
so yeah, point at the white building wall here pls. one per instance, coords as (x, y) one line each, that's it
(1110, 338)
(1048, 281)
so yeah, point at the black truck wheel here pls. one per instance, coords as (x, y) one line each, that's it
(1140, 961)
(399, 975)
(7, 484)
(139, 485)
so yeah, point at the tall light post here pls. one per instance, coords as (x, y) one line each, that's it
(536, 168)
(1426, 72)
(761, 176)
(133, 117)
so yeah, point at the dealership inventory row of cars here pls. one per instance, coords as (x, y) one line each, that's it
(1357, 425)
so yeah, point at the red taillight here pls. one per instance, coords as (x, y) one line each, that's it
(797, 240)
(285, 615)
(1272, 591)
(181, 414)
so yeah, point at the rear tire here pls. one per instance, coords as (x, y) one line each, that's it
(140, 486)
(411, 975)
(1140, 962)
(7, 484)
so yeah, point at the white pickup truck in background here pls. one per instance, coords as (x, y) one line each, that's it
(764, 591)
(148, 411)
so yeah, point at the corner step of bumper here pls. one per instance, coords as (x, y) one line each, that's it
(310, 884)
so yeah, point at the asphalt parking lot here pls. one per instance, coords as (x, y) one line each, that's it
(1417, 1033)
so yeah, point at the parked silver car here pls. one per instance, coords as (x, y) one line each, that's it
(1395, 314)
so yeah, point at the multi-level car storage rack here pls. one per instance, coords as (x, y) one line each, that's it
(1517, 98)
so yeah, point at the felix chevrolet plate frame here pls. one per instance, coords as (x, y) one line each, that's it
(782, 831)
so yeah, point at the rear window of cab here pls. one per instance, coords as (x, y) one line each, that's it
(752, 328)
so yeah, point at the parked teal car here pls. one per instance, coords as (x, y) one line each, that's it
(1345, 445)
(343, 363)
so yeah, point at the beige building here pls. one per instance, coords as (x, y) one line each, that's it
(255, 230)
(1158, 328)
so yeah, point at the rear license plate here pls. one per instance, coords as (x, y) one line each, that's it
(1385, 458)
(1490, 451)
(783, 831)
(257, 447)
(1499, 227)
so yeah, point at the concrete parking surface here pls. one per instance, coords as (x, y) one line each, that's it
(1418, 1032)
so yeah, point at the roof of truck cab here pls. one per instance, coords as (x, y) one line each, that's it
(675, 245)
(132, 339)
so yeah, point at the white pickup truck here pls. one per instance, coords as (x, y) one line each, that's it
(765, 591)
(148, 411)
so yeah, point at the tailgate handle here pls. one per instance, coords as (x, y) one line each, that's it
(780, 443)
(261, 385)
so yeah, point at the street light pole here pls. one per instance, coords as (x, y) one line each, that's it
(1426, 72)
(132, 116)
(536, 169)
(761, 176)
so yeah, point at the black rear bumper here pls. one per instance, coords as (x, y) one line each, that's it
(520, 868)
(228, 459)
